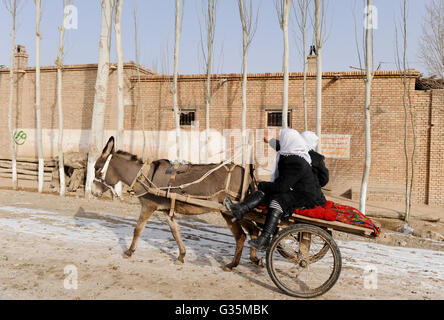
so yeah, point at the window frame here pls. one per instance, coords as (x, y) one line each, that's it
(268, 112)
(187, 112)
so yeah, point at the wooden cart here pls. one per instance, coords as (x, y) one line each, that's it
(303, 260)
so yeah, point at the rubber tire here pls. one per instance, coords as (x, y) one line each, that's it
(327, 238)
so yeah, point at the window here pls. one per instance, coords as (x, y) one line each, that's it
(187, 118)
(274, 119)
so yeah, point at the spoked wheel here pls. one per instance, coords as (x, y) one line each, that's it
(315, 255)
(304, 261)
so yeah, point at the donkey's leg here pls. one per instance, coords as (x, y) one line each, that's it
(175, 230)
(239, 236)
(253, 231)
(145, 214)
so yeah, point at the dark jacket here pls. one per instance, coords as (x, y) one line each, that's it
(295, 186)
(318, 167)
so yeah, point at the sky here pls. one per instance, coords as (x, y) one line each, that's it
(155, 24)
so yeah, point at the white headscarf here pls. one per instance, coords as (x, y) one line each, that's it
(291, 143)
(311, 138)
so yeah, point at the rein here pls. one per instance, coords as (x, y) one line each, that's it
(150, 188)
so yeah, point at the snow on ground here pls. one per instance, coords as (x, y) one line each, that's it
(393, 260)
(109, 230)
(413, 267)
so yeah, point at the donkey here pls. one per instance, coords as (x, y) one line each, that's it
(114, 166)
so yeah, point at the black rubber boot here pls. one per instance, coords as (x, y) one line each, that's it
(271, 222)
(240, 209)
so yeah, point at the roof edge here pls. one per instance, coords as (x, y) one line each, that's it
(411, 73)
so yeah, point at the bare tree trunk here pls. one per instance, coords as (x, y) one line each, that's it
(318, 36)
(12, 8)
(98, 116)
(283, 9)
(210, 24)
(368, 84)
(285, 64)
(59, 65)
(248, 31)
(208, 82)
(412, 177)
(178, 24)
(38, 112)
(140, 102)
(244, 81)
(402, 66)
(404, 102)
(302, 24)
(304, 84)
(120, 103)
(207, 104)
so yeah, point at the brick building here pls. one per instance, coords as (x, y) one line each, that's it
(148, 105)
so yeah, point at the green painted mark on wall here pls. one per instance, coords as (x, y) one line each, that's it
(20, 137)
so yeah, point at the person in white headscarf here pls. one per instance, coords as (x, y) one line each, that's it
(320, 171)
(292, 186)
(311, 139)
(292, 144)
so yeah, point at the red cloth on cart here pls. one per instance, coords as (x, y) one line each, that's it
(350, 215)
(338, 212)
(318, 213)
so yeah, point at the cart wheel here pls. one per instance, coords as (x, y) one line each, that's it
(304, 261)
(315, 256)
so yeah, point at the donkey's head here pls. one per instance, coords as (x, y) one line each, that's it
(106, 176)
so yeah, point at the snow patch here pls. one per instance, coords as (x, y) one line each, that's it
(19, 210)
(204, 240)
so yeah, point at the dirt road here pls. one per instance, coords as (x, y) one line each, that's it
(71, 248)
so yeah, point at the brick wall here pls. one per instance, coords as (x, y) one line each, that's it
(78, 99)
(343, 101)
(436, 186)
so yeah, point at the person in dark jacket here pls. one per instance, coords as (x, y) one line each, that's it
(320, 171)
(292, 186)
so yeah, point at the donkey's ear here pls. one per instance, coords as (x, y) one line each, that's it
(109, 148)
